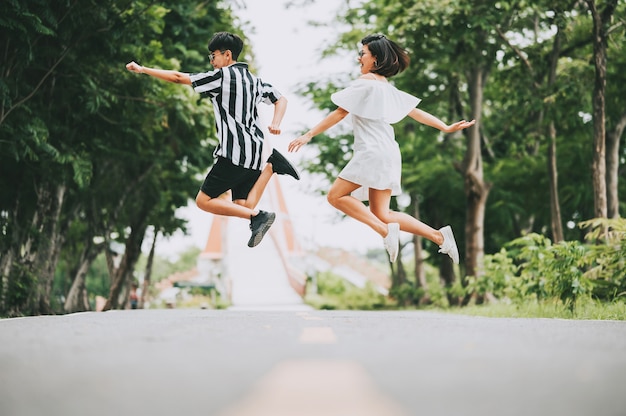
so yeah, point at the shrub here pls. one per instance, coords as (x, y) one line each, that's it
(333, 292)
(606, 258)
(531, 267)
(407, 294)
(498, 277)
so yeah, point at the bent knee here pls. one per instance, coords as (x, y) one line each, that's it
(332, 198)
(383, 216)
(202, 199)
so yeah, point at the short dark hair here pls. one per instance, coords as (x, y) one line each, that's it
(391, 59)
(226, 41)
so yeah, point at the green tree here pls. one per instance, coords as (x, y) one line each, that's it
(88, 152)
(523, 71)
(601, 15)
(454, 71)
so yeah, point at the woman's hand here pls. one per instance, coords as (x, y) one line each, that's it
(329, 121)
(459, 125)
(296, 144)
(428, 119)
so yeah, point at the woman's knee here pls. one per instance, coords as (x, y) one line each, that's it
(332, 198)
(382, 215)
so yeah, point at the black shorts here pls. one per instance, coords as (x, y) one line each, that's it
(224, 176)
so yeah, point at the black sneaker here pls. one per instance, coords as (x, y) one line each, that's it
(259, 224)
(281, 165)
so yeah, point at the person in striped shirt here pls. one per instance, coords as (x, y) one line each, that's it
(237, 180)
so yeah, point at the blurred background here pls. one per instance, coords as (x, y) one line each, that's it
(100, 166)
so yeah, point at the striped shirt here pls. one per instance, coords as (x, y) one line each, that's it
(235, 94)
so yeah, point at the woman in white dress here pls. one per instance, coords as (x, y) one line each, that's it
(374, 171)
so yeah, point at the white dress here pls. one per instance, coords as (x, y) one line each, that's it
(374, 106)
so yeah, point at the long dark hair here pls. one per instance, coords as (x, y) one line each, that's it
(391, 59)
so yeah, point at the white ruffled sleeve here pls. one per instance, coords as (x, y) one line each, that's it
(375, 100)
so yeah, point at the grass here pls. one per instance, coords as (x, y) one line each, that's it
(590, 310)
(202, 302)
(584, 310)
(332, 292)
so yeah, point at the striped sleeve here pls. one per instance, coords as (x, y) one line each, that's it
(269, 94)
(207, 84)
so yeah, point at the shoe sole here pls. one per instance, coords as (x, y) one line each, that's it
(291, 171)
(289, 168)
(256, 239)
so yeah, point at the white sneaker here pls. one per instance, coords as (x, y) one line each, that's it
(392, 241)
(449, 244)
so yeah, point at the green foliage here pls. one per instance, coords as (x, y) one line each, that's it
(514, 42)
(585, 309)
(163, 267)
(606, 257)
(564, 270)
(127, 149)
(523, 100)
(202, 301)
(21, 283)
(97, 280)
(407, 294)
(498, 281)
(532, 268)
(333, 292)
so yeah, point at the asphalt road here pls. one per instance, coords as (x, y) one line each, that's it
(291, 363)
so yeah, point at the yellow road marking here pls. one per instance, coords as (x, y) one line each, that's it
(317, 335)
(305, 315)
(314, 388)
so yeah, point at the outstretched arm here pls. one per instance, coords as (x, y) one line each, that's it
(330, 120)
(163, 74)
(280, 107)
(432, 121)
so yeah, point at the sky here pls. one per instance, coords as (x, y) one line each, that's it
(288, 51)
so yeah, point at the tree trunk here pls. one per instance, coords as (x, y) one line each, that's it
(476, 190)
(77, 299)
(612, 167)
(401, 271)
(124, 271)
(556, 221)
(123, 299)
(5, 266)
(11, 303)
(41, 251)
(555, 205)
(148, 273)
(599, 90)
(48, 257)
(420, 273)
(447, 277)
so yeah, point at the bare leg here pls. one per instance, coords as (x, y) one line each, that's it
(257, 190)
(379, 205)
(242, 208)
(223, 206)
(340, 198)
